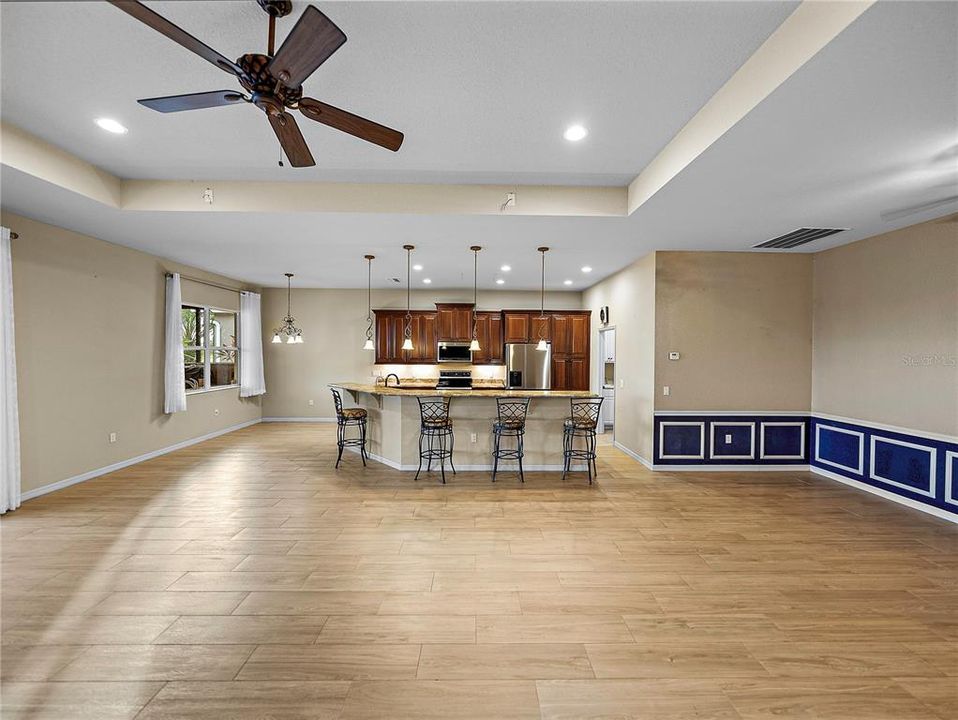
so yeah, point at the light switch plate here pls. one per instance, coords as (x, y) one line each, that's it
(666, 390)
(673, 355)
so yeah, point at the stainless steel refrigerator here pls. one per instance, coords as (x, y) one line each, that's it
(528, 368)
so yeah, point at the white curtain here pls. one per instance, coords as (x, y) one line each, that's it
(252, 381)
(9, 418)
(174, 377)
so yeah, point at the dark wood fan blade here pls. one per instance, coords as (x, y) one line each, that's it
(311, 41)
(177, 34)
(353, 124)
(193, 101)
(294, 145)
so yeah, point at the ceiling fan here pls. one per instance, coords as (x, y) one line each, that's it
(273, 81)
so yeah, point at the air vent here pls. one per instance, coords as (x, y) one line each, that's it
(798, 237)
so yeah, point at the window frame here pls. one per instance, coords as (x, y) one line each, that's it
(208, 350)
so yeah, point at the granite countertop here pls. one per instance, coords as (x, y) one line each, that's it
(489, 392)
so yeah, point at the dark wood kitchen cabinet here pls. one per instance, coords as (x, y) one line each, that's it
(526, 326)
(455, 322)
(390, 333)
(570, 350)
(489, 334)
(516, 327)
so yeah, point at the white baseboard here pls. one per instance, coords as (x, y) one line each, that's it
(300, 419)
(632, 454)
(908, 502)
(731, 468)
(508, 466)
(60, 484)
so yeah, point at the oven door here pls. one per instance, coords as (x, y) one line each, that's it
(454, 353)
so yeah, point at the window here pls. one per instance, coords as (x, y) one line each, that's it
(209, 347)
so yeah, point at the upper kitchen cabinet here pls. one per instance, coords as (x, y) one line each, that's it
(517, 327)
(489, 334)
(424, 342)
(570, 333)
(526, 326)
(454, 322)
(390, 325)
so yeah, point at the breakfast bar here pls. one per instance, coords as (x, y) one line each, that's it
(394, 423)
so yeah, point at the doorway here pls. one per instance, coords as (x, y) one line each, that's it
(606, 380)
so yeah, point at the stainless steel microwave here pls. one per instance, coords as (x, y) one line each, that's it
(454, 352)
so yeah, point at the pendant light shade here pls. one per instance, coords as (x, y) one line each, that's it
(542, 344)
(288, 329)
(369, 345)
(407, 330)
(474, 345)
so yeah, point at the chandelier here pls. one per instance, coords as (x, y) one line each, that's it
(288, 328)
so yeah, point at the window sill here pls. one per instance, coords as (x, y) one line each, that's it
(202, 391)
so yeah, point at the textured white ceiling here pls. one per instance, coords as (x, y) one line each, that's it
(865, 127)
(482, 90)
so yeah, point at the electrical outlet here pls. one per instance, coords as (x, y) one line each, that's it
(666, 390)
(216, 411)
(473, 437)
(311, 403)
(673, 355)
(728, 438)
(112, 437)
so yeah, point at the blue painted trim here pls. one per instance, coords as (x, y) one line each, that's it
(744, 442)
(910, 465)
(921, 468)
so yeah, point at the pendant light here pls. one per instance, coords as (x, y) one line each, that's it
(369, 345)
(542, 344)
(407, 331)
(474, 345)
(293, 334)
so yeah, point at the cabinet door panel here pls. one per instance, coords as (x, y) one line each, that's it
(579, 329)
(541, 328)
(577, 374)
(516, 327)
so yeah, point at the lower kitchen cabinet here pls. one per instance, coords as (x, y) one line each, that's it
(570, 373)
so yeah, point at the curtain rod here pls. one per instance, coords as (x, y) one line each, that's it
(207, 282)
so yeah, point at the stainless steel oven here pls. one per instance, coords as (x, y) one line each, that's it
(454, 352)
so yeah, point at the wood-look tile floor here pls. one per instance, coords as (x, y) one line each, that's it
(245, 578)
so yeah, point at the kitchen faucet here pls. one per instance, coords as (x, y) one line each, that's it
(386, 381)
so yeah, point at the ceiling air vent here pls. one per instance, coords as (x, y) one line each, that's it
(798, 237)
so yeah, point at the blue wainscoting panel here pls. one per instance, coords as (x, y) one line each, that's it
(682, 439)
(918, 467)
(951, 478)
(840, 448)
(903, 464)
(783, 440)
(732, 440)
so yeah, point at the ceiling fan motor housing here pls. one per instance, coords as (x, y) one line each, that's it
(261, 84)
(276, 8)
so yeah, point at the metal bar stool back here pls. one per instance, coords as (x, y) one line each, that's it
(347, 418)
(436, 438)
(581, 423)
(511, 422)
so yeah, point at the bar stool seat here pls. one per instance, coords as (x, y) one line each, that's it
(581, 424)
(510, 423)
(345, 419)
(436, 438)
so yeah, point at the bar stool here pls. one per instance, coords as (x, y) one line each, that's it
(511, 422)
(346, 418)
(436, 438)
(581, 423)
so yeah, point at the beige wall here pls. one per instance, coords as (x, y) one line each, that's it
(334, 329)
(630, 296)
(886, 329)
(742, 323)
(89, 334)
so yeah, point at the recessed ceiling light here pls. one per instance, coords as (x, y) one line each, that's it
(426, 281)
(574, 133)
(506, 268)
(417, 268)
(586, 268)
(566, 282)
(500, 281)
(111, 125)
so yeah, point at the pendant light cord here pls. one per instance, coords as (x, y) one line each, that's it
(407, 333)
(369, 296)
(475, 291)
